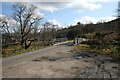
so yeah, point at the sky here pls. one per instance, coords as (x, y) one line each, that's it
(69, 12)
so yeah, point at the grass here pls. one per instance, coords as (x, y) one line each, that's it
(70, 41)
(109, 50)
(102, 42)
(17, 49)
(81, 47)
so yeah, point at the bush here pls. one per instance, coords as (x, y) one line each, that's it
(99, 35)
(92, 42)
(82, 36)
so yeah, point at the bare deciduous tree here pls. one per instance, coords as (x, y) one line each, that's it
(5, 27)
(48, 32)
(27, 19)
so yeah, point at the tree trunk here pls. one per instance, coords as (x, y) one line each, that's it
(22, 42)
(27, 45)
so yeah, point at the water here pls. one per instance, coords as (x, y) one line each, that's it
(78, 57)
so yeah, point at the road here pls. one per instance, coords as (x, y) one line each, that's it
(17, 60)
(59, 61)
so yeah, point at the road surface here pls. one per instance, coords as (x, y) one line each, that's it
(59, 61)
(19, 59)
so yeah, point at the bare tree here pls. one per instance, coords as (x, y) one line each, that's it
(4, 24)
(5, 27)
(27, 19)
(48, 32)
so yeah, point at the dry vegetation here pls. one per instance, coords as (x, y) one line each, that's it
(105, 43)
(11, 49)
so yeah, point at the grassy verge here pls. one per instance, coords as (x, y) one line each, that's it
(109, 50)
(17, 49)
(106, 43)
(81, 47)
(70, 41)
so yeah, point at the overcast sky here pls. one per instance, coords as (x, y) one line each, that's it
(66, 13)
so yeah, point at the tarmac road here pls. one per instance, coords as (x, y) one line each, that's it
(60, 61)
(19, 59)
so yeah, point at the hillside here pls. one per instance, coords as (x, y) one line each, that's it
(74, 31)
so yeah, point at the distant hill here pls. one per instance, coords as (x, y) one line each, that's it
(73, 31)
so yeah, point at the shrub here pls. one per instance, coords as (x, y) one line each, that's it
(92, 42)
(99, 35)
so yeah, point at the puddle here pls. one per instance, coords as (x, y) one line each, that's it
(56, 59)
(115, 67)
(71, 51)
(78, 57)
(51, 59)
(74, 67)
(10, 67)
(59, 52)
(41, 59)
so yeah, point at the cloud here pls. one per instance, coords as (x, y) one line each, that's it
(84, 5)
(7, 19)
(48, 6)
(78, 5)
(55, 22)
(88, 19)
(54, 5)
(57, 0)
(3, 17)
(38, 14)
(12, 24)
(102, 0)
